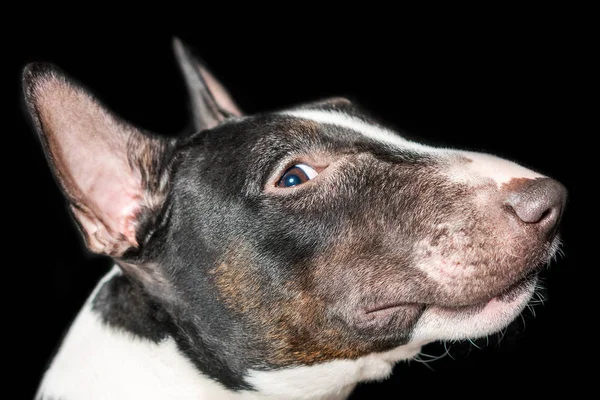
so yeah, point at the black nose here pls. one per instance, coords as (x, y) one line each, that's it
(539, 203)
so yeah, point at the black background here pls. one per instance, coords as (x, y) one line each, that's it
(509, 87)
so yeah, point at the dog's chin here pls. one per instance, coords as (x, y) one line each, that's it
(439, 322)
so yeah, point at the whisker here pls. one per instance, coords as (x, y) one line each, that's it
(423, 362)
(473, 343)
(434, 358)
(501, 335)
(539, 294)
(448, 350)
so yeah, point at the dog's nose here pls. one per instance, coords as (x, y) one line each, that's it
(539, 203)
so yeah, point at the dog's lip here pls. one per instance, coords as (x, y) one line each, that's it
(507, 293)
(390, 306)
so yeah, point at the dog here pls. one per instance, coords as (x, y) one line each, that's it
(285, 255)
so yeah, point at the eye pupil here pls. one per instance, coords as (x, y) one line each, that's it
(292, 180)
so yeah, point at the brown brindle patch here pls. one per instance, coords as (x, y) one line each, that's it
(517, 184)
(292, 320)
(237, 287)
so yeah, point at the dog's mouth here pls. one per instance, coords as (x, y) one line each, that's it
(506, 295)
(438, 315)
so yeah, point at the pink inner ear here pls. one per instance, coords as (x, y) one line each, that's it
(117, 198)
(89, 150)
(221, 95)
(110, 201)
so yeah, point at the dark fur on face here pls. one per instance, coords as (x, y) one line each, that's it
(295, 272)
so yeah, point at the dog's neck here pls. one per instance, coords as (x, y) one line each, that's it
(129, 366)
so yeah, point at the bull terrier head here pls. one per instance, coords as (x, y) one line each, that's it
(299, 240)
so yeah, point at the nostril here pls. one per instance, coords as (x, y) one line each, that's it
(546, 214)
(541, 202)
(533, 212)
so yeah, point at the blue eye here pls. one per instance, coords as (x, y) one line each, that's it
(296, 175)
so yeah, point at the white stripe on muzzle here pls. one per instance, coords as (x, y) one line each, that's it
(482, 165)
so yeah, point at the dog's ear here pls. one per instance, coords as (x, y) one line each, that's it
(114, 175)
(211, 103)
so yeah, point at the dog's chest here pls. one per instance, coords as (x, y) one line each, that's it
(97, 361)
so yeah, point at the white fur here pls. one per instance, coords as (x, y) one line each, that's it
(481, 166)
(330, 380)
(371, 131)
(96, 361)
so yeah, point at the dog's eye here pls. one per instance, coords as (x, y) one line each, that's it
(296, 175)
